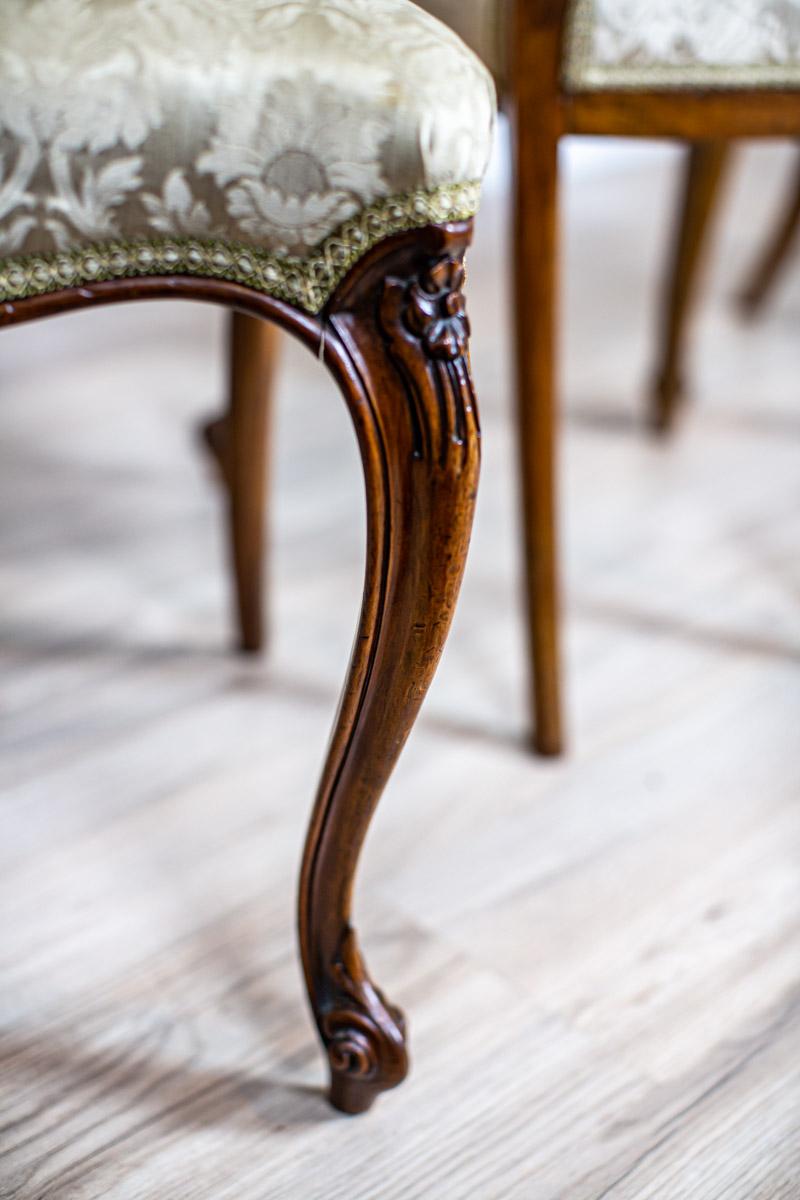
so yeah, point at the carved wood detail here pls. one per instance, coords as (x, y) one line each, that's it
(397, 341)
(428, 313)
(365, 1036)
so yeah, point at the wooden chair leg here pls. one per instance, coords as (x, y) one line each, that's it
(239, 441)
(704, 173)
(396, 340)
(775, 256)
(535, 301)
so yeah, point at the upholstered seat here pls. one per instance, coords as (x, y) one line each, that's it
(270, 142)
(651, 43)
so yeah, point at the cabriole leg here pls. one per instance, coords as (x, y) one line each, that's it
(396, 339)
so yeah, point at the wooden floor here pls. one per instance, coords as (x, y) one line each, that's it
(600, 958)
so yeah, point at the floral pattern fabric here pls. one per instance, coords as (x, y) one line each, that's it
(684, 43)
(270, 131)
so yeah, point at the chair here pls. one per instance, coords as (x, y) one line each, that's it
(705, 72)
(314, 164)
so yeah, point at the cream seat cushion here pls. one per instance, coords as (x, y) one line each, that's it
(266, 141)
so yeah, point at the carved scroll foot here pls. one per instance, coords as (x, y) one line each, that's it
(396, 340)
(364, 1035)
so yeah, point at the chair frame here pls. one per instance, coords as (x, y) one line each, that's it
(395, 338)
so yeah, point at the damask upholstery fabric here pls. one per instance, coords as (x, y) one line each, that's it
(267, 141)
(684, 43)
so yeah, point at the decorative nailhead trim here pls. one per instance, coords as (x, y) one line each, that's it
(306, 283)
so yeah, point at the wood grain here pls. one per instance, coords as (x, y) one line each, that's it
(535, 122)
(712, 114)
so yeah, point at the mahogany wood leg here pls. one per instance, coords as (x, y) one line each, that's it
(535, 302)
(239, 440)
(396, 340)
(705, 167)
(775, 255)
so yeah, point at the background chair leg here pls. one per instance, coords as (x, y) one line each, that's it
(239, 440)
(396, 339)
(768, 268)
(535, 301)
(705, 166)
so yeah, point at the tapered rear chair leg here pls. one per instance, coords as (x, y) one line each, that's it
(705, 167)
(239, 440)
(776, 254)
(535, 302)
(396, 340)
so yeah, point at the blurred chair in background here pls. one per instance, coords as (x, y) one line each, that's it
(776, 253)
(705, 73)
(706, 167)
(318, 167)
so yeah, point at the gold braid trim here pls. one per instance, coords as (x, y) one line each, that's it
(306, 283)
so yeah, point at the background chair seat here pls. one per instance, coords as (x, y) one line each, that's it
(644, 44)
(263, 142)
(691, 43)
